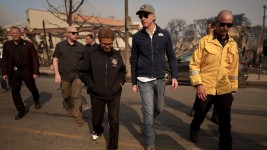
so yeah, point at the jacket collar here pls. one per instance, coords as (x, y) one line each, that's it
(20, 41)
(157, 28)
(213, 39)
(105, 53)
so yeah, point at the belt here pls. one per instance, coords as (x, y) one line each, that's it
(16, 69)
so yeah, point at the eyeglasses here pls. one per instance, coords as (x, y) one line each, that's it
(143, 15)
(73, 33)
(107, 44)
(229, 25)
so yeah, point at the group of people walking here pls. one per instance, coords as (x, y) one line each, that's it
(213, 73)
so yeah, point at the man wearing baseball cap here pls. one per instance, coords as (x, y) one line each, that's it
(149, 47)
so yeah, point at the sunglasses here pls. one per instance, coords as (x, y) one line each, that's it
(229, 25)
(107, 44)
(73, 33)
(143, 15)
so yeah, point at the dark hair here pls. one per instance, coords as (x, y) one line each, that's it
(90, 36)
(212, 22)
(106, 33)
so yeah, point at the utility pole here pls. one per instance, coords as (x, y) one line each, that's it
(126, 51)
(262, 37)
(45, 41)
(263, 25)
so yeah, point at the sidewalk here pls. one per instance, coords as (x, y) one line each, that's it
(254, 80)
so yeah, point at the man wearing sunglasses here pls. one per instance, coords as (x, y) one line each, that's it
(214, 74)
(149, 47)
(67, 59)
(214, 118)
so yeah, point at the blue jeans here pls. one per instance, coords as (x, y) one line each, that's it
(152, 95)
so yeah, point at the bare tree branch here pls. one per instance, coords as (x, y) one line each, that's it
(54, 24)
(200, 26)
(79, 5)
(66, 6)
(66, 11)
(84, 20)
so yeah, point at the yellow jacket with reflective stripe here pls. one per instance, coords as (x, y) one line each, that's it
(214, 66)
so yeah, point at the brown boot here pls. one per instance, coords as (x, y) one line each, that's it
(79, 121)
(69, 111)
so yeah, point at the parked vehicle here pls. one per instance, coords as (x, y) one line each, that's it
(183, 69)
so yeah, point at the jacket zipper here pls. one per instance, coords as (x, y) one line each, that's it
(152, 56)
(106, 71)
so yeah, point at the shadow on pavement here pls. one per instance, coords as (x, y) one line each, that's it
(131, 120)
(176, 124)
(44, 97)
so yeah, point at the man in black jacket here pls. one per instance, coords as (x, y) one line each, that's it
(103, 73)
(20, 63)
(90, 42)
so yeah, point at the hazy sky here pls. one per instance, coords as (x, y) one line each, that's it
(12, 11)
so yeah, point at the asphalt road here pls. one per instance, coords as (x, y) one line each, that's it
(50, 129)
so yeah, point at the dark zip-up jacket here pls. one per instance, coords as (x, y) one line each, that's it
(103, 73)
(148, 55)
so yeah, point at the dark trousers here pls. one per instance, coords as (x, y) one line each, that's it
(16, 82)
(98, 111)
(222, 106)
(3, 82)
(195, 105)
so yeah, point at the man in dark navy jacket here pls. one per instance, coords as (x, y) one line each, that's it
(149, 47)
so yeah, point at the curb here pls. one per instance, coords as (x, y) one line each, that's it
(253, 84)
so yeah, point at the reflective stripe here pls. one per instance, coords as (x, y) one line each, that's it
(194, 72)
(233, 77)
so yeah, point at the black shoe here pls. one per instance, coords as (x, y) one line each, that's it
(193, 136)
(20, 115)
(5, 90)
(37, 106)
(214, 120)
(191, 113)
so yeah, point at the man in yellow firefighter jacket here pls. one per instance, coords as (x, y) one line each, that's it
(214, 74)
